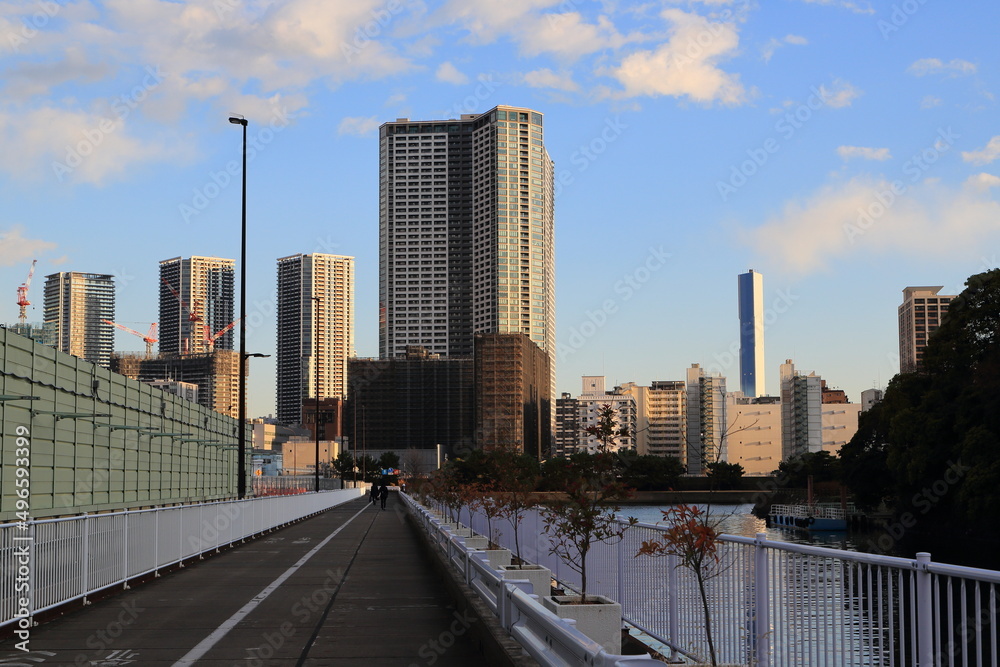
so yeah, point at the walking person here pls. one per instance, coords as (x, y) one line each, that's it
(383, 493)
(374, 493)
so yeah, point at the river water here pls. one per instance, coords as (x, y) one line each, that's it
(739, 520)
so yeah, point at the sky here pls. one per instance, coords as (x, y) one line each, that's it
(844, 149)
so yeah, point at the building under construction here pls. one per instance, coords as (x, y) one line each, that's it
(216, 374)
(417, 401)
(513, 402)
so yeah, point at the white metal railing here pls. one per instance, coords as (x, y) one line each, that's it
(550, 640)
(49, 562)
(777, 603)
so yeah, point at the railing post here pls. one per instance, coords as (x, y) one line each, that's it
(86, 558)
(620, 594)
(125, 518)
(925, 611)
(762, 615)
(673, 605)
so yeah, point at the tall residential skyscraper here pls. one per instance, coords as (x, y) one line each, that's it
(466, 231)
(920, 315)
(751, 298)
(196, 305)
(301, 279)
(75, 307)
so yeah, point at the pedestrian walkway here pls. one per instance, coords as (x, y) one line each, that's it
(351, 586)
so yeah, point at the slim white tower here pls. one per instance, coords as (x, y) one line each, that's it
(751, 300)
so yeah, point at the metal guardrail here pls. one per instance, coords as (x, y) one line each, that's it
(50, 562)
(778, 603)
(550, 640)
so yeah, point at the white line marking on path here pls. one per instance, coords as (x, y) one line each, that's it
(203, 647)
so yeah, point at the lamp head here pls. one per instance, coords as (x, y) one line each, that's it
(237, 119)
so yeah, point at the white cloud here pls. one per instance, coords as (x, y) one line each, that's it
(984, 181)
(250, 58)
(72, 146)
(849, 152)
(546, 78)
(929, 102)
(449, 74)
(568, 36)
(767, 51)
(16, 249)
(839, 94)
(486, 20)
(955, 67)
(358, 126)
(875, 215)
(686, 65)
(985, 155)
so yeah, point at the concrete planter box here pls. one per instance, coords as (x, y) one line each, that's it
(602, 621)
(476, 542)
(499, 558)
(539, 576)
(457, 529)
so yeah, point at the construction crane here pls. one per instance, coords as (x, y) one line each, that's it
(148, 339)
(211, 338)
(192, 315)
(22, 294)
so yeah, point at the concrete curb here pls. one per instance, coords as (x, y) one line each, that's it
(498, 648)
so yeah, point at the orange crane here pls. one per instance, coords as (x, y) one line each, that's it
(210, 339)
(192, 315)
(22, 294)
(148, 339)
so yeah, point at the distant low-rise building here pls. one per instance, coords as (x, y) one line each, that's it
(869, 397)
(840, 423)
(754, 433)
(595, 396)
(661, 418)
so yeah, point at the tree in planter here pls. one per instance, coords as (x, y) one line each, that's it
(517, 477)
(485, 500)
(692, 537)
(446, 490)
(585, 515)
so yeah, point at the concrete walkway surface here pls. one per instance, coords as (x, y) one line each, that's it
(351, 586)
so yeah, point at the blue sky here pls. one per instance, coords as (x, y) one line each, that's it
(844, 149)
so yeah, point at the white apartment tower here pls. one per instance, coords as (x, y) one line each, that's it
(466, 229)
(706, 419)
(595, 396)
(801, 411)
(661, 422)
(196, 305)
(920, 315)
(76, 306)
(315, 305)
(751, 303)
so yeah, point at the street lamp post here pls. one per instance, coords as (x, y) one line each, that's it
(241, 440)
(316, 336)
